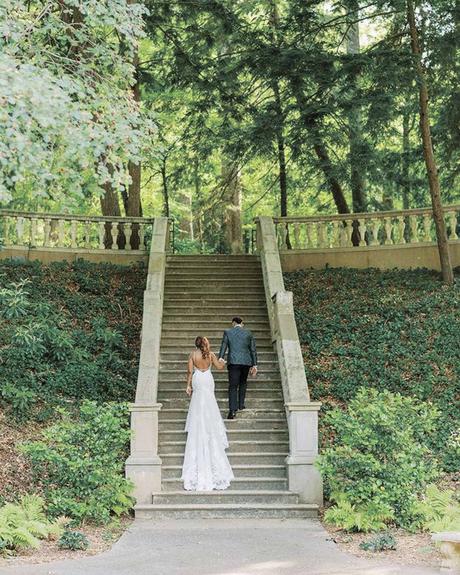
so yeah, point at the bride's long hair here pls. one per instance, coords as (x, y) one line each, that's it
(202, 343)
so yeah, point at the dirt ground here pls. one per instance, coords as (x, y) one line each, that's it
(100, 539)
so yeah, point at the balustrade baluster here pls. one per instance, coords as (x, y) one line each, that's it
(20, 230)
(401, 230)
(141, 237)
(101, 233)
(114, 232)
(47, 232)
(388, 226)
(308, 234)
(73, 234)
(284, 233)
(413, 226)
(375, 225)
(61, 233)
(87, 232)
(427, 227)
(362, 232)
(33, 231)
(349, 232)
(6, 231)
(335, 234)
(320, 235)
(297, 235)
(128, 233)
(453, 225)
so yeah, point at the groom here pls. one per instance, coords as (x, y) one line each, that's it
(241, 360)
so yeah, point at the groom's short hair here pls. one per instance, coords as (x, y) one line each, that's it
(237, 320)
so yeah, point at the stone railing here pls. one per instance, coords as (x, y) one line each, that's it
(73, 232)
(143, 466)
(363, 230)
(302, 414)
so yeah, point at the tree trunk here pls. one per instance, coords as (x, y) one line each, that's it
(405, 177)
(164, 180)
(354, 121)
(110, 206)
(430, 161)
(231, 181)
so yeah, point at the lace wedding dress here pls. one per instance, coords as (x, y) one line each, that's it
(206, 465)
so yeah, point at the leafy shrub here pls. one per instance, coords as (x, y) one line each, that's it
(78, 463)
(439, 510)
(73, 540)
(379, 462)
(67, 331)
(395, 330)
(380, 542)
(22, 525)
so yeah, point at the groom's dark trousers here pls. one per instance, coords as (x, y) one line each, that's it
(237, 383)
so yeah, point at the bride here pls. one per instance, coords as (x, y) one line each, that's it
(206, 465)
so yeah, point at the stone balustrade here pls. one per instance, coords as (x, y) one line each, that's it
(143, 465)
(364, 229)
(301, 412)
(73, 232)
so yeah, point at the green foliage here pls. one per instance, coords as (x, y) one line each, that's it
(380, 542)
(367, 516)
(395, 330)
(380, 462)
(73, 540)
(67, 119)
(22, 525)
(78, 463)
(439, 510)
(69, 331)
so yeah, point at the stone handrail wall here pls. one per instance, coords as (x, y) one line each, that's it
(302, 414)
(143, 466)
(364, 229)
(73, 232)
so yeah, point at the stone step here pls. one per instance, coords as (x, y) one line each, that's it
(251, 403)
(239, 483)
(226, 510)
(262, 378)
(235, 446)
(179, 355)
(251, 470)
(208, 273)
(229, 307)
(185, 343)
(179, 393)
(230, 278)
(187, 330)
(227, 496)
(168, 412)
(173, 365)
(224, 260)
(238, 300)
(178, 322)
(239, 422)
(265, 435)
(268, 458)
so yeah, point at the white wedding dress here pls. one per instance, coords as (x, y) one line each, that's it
(206, 465)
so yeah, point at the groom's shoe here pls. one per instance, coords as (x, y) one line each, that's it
(242, 407)
(231, 415)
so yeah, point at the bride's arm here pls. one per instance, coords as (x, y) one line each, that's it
(216, 363)
(188, 390)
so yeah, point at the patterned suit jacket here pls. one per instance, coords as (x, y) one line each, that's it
(241, 346)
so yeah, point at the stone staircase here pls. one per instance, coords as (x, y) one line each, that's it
(202, 293)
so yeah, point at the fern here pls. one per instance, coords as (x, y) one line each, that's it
(439, 510)
(365, 517)
(22, 525)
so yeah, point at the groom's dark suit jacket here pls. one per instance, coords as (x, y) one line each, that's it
(241, 347)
